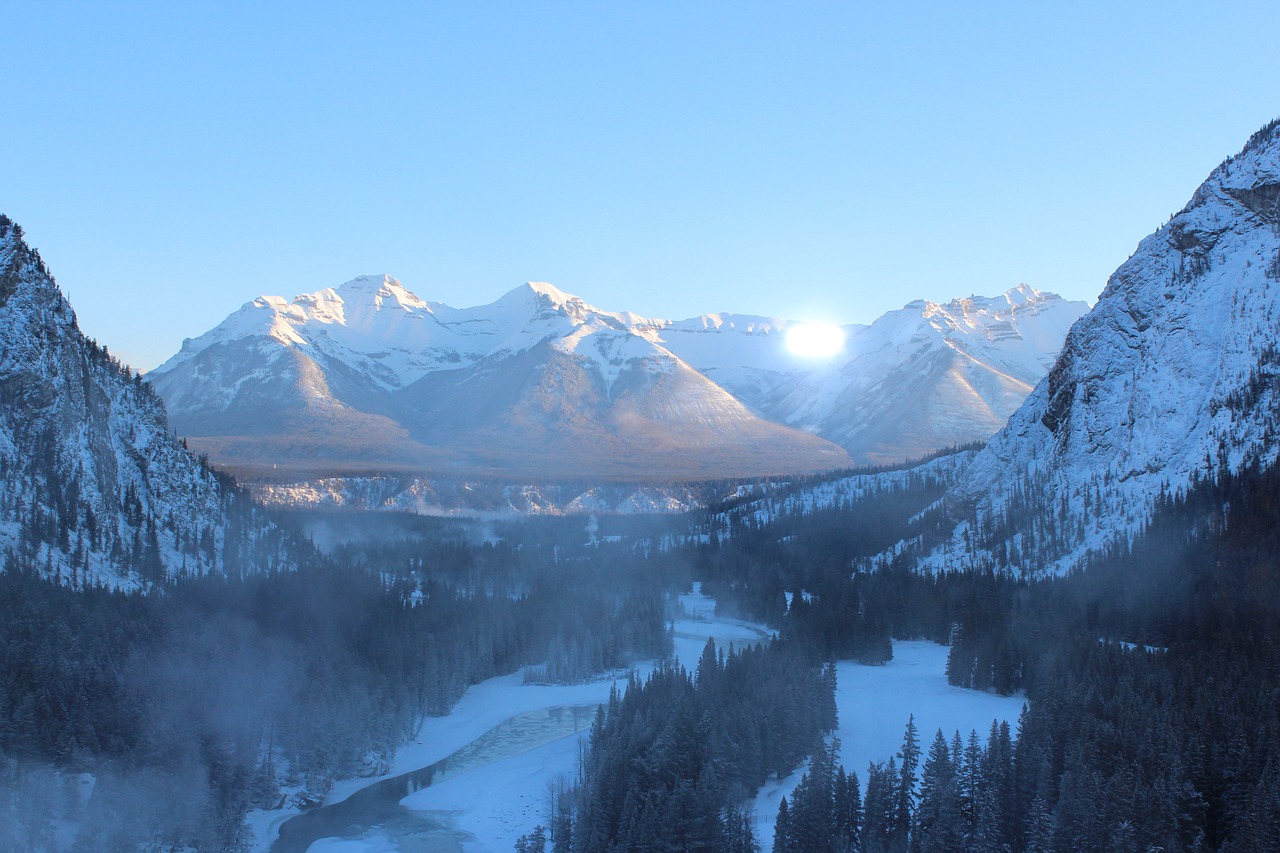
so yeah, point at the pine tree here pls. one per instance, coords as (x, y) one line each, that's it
(152, 567)
(938, 819)
(534, 842)
(1039, 830)
(905, 796)
(879, 807)
(739, 837)
(782, 829)
(848, 810)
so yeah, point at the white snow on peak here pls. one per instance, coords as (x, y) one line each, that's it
(1170, 376)
(374, 327)
(962, 367)
(551, 292)
(378, 327)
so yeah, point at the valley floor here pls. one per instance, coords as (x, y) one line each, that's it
(501, 791)
(874, 703)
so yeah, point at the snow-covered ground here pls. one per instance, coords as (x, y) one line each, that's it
(502, 790)
(503, 794)
(874, 703)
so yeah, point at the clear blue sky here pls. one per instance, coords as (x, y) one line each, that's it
(807, 160)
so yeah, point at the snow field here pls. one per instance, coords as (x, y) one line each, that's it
(497, 803)
(491, 803)
(874, 703)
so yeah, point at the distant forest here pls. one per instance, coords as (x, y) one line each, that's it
(1152, 678)
(192, 704)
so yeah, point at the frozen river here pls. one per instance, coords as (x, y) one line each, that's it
(478, 778)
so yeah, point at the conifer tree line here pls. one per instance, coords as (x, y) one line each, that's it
(1151, 679)
(954, 801)
(672, 760)
(189, 705)
(825, 809)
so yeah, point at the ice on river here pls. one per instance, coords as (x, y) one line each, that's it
(501, 791)
(503, 800)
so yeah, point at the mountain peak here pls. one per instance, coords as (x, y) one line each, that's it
(371, 284)
(550, 291)
(1169, 378)
(375, 289)
(547, 298)
(16, 258)
(1025, 293)
(1012, 299)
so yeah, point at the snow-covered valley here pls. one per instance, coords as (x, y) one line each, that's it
(508, 742)
(875, 703)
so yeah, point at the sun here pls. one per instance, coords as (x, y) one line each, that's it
(815, 340)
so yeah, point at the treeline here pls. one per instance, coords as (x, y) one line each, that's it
(672, 759)
(1131, 753)
(956, 801)
(192, 704)
(1153, 685)
(1152, 677)
(63, 535)
(794, 571)
(615, 595)
(606, 632)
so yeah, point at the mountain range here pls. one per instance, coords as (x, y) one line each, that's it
(1172, 377)
(369, 378)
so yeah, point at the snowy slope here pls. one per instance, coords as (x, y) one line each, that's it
(93, 487)
(481, 499)
(369, 378)
(930, 376)
(1172, 375)
(916, 380)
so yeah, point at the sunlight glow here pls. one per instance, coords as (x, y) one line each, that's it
(815, 340)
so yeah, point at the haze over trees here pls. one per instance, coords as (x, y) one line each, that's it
(1113, 556)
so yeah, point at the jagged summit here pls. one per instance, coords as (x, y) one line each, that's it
(1172, 375)
(540, 300)
(537, 382)
(1024, 295)
(929, 375)
(379, 289)
(422, 381)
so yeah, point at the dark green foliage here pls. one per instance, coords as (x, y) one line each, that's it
(879, 809)
(824, 815)
(672, 757)
(1169, 745)
(213, 685)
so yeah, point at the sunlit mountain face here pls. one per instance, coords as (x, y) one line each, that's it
(371, 378)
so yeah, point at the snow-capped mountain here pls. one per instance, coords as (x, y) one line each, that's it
(369, 377)
(1173, 375)
(925, 377)
(93, 486)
